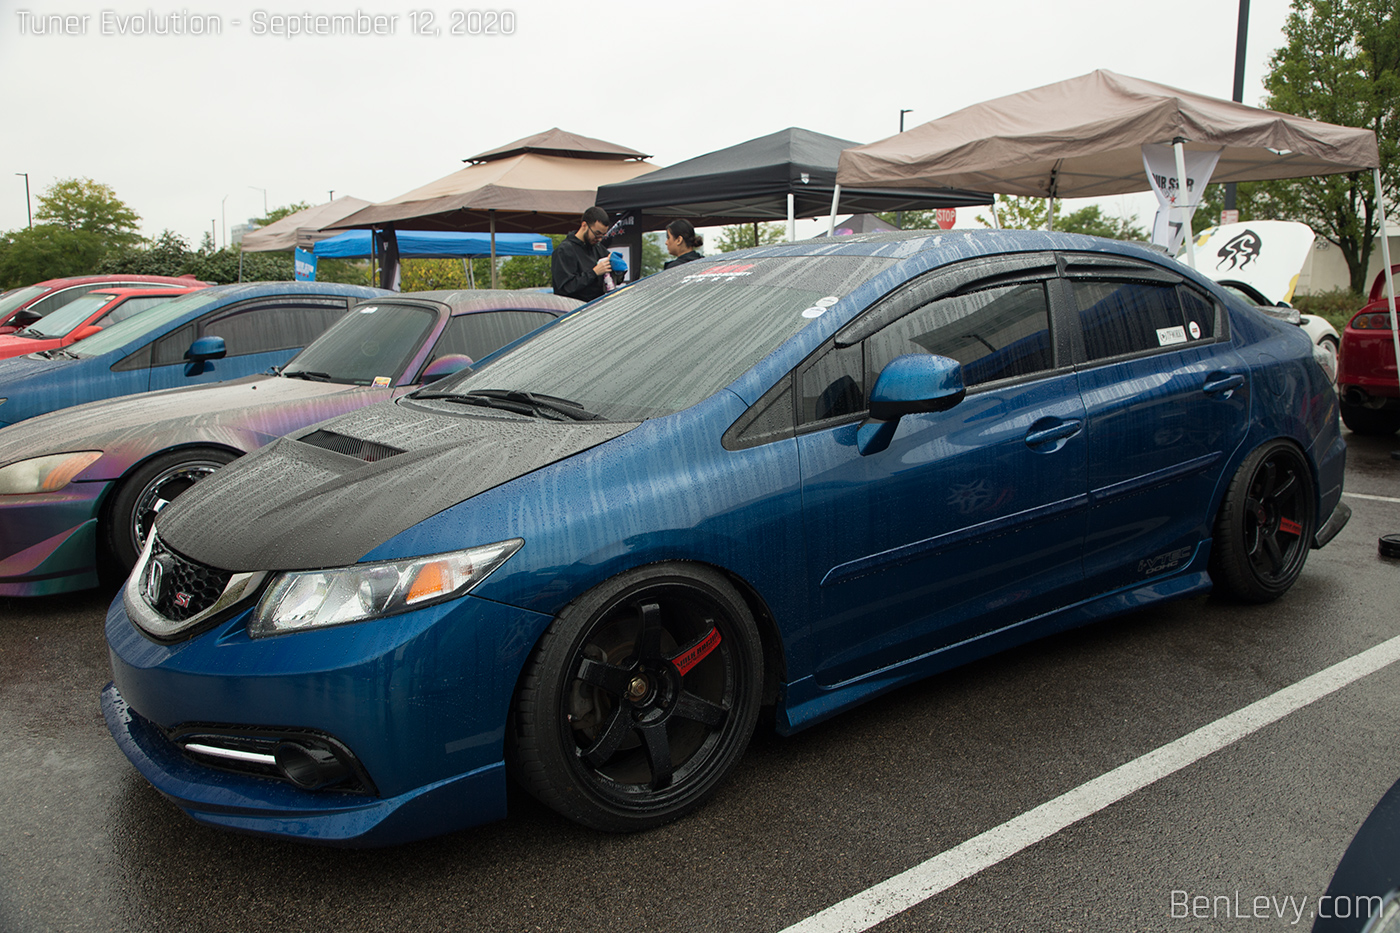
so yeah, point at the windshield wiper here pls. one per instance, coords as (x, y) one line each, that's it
(57, 353)
(31, 333)
(307, 374)
(525, 403)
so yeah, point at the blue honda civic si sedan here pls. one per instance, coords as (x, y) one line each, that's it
(794, 477)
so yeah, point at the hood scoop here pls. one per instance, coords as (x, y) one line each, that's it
(328, 497)
(368, 451)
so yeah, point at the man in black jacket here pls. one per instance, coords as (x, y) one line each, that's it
(581, 263)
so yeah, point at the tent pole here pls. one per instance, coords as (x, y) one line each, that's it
(1385, 258)
(240, 264)
(792, 220)
(1179, 145)
(1050, 224)
(493, 247)
(835, 200)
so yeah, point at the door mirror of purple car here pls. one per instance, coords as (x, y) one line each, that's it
(446, 366)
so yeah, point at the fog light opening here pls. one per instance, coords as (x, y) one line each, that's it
(309, 768)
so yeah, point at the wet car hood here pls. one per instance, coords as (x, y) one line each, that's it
(263, 405)
(329, 495)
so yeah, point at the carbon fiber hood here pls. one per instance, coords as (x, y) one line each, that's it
(294, 505)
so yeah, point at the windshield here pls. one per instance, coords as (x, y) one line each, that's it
(67, 318)
(151, 323)
(671, 341)
(18, 297)
(374, 341)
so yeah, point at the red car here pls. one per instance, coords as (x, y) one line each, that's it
(85, 317)
(23, 306)
(1366, 374)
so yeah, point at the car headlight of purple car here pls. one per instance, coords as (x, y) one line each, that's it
(44, 474)
(301, 600)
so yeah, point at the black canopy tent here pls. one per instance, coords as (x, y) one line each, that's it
(782, 176)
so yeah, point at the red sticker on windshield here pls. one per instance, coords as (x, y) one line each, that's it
(726, 270)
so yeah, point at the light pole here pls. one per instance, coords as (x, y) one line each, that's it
(26, 199)
(1241, 35)
(213, 232)
(332, 194)
(264, 191)
(223, 210)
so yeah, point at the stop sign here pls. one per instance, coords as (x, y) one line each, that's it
(946, 216)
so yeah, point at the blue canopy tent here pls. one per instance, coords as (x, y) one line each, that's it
(434, 244)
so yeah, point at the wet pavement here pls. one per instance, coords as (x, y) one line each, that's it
(86, 844)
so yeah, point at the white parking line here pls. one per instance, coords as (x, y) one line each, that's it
(1357, 495)
(888, 898)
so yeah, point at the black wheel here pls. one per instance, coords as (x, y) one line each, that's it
(639, 699)
(150, 488)
(1374, 421)
(1265, 526)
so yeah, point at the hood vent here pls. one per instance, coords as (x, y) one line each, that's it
(367, 451)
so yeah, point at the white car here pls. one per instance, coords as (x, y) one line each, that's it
(1260, 261)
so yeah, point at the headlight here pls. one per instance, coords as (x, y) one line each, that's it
(44, 474)
(314, 598)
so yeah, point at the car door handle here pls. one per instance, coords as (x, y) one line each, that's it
(1059, 432)
(1220, 384)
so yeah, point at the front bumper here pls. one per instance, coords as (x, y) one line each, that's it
(420, 699)
(48, 541)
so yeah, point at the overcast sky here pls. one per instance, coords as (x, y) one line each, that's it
(188, 129)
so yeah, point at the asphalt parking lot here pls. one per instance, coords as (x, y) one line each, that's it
(809, 821)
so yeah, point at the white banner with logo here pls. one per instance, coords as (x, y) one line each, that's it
(1171, 226)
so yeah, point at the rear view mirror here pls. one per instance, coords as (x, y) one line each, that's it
(446, 366)
(908, 385)
(24, 318)
(201, 352)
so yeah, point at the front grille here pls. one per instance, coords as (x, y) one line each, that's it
(179, 588)
(368, 451)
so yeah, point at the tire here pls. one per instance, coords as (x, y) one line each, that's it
(147, 490)
(639, 699)
(1370, 421)
(1331, 343)
(1265, 526)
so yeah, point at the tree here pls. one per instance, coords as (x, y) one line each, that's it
(742, 236)
(48, 251)
(1340, 63)
(277, 213)
(1015, 212)
(654, 255)
(1027, 213)
(167, 254)
(83, 204)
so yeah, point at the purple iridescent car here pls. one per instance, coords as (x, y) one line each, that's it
(80, 488)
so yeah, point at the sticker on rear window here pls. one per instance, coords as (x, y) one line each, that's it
(1167, 336)
(381, 380)
(370, 310)
(814, 312)
(826, 302)
(1195, 331)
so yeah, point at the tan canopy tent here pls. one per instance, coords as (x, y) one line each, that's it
(302, 228)
(1084, 137)
(540, 184)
